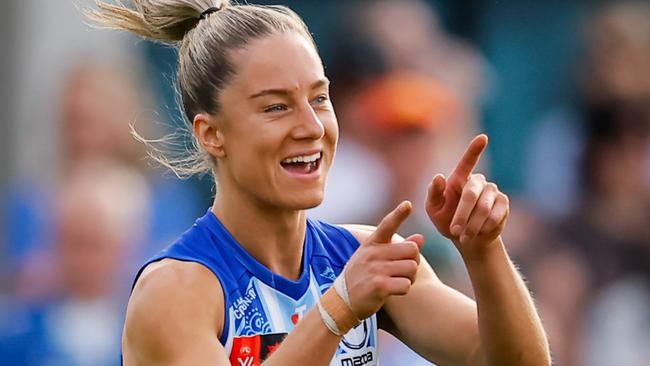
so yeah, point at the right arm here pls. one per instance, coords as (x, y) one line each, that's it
(174, 316)
(176, 311)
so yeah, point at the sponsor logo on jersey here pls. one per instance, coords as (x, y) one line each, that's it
(358, 360)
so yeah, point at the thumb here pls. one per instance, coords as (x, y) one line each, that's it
(435, 193)
(390, 223)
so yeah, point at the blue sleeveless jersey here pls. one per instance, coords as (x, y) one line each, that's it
(263, 307)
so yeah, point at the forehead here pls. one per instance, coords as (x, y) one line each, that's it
(287, 61)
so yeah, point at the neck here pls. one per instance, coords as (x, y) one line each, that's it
(273, 236)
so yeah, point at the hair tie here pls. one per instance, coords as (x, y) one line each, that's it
(209, 11)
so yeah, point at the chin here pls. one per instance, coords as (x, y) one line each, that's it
(306, 200)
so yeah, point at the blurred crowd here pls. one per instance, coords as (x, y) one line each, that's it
(409, 95)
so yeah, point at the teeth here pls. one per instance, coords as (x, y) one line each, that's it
(302, 159)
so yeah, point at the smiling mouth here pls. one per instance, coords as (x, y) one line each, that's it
(306, 164)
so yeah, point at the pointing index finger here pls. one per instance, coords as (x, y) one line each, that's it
(470, 158)
(390, 223)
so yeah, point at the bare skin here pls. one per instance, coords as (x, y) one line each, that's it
(176, 312)
(505, 329)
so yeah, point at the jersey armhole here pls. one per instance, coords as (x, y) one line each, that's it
(226, 293)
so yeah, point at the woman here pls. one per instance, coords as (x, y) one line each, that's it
(254, 271)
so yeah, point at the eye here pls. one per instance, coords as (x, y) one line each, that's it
(321, 99)
(275, 108)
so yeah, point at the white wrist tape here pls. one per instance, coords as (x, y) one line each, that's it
(335, 310)
(341, 287)
(329, 322)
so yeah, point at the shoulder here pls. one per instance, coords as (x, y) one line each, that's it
(362, 232)
(172, 301)
(169, 276)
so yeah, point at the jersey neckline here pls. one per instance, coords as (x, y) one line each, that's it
(294, 289)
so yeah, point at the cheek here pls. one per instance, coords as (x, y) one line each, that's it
(253, 153)
(331, 126)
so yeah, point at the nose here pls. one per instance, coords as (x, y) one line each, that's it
(308, 124)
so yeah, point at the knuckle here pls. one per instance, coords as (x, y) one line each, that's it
(369, 253)
(497, 215)
(492, 187)
(411, 249)
(384, 289)
(490, 223)
(483, 208)
(412, 267)
(494, 218)
(377, 284)
(374, 267)
(404, 286)
(500, 219)
(470, 196)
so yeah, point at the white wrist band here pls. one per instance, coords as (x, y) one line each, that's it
(329, 322)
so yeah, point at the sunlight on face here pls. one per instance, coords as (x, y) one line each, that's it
(278, 125)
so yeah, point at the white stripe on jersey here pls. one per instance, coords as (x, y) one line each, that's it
(270, 301)
(313, 286)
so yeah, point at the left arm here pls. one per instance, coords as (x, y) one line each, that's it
(502, 328)
(444, 326)
(435, 320)
(472, 212)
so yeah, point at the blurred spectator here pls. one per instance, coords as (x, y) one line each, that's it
(618, 326)
(589, 175)
(421, 44)
(609, 229)
(101, 215)
(98, 103)
(615, 71)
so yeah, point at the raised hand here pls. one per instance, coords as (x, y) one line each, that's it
(465, 207)
(379, 269)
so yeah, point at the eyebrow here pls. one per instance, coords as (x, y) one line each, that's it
(285, 92)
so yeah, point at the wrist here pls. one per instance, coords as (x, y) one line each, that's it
(336, 314)
(481, 253)
(335, 308)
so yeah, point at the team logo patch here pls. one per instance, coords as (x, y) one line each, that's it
(253, 350)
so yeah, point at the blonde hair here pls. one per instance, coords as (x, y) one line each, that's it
(205, 42)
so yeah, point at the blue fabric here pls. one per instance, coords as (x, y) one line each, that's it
(262, 306)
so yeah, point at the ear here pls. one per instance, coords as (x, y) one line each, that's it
(209, 134)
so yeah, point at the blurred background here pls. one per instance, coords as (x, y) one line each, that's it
(562, 88)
